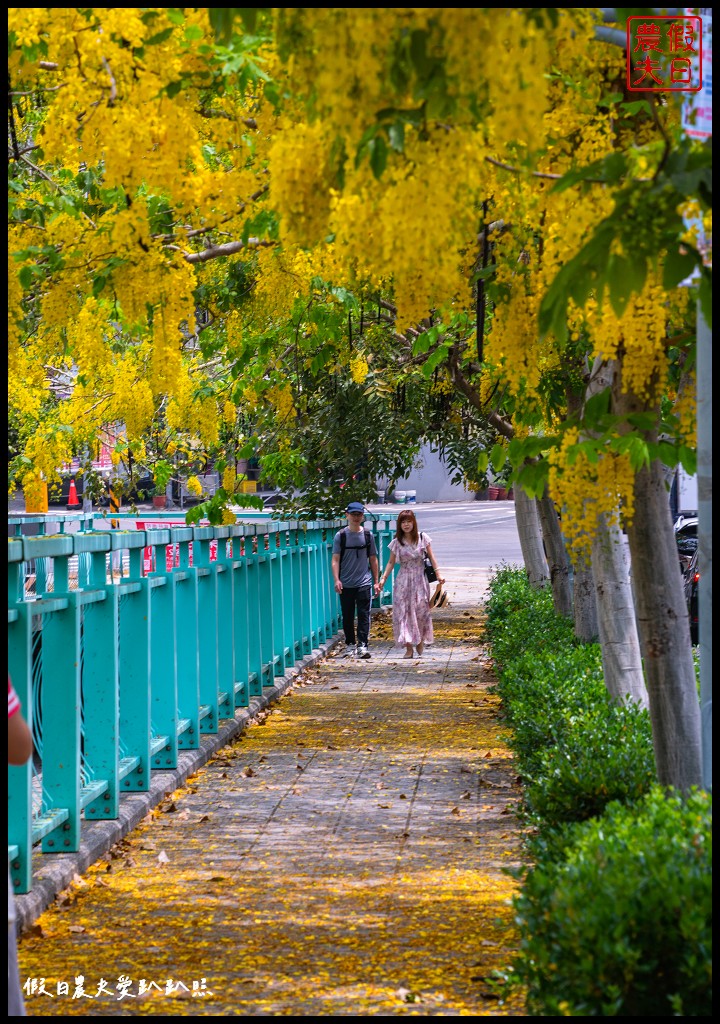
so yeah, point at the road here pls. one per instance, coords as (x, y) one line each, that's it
(469, 538)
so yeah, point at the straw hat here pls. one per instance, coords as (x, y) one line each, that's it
(439, 599)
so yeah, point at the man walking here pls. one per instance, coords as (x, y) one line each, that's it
(355, 568)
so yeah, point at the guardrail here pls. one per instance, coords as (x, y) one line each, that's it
(127, 645)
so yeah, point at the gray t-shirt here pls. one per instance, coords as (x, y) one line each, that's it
(354, 567)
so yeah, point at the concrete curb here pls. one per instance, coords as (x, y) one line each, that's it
(53, 872)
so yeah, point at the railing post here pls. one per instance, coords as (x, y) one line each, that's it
(208, 631)
(383, 538)
(328, 583)
(253, 610)
(296, 557)
(314, 537)
(100, 689)
(321, 624)
(305, 591)
(285, 553)
(20, 671)
(186, 633)
(242, 545)
(228, 673)
(265, 604)
(61, 696)
(163, 651)
(276, 603)
(333, 601)
(134, 660)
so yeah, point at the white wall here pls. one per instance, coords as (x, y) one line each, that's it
(687, 491)
(431, 480)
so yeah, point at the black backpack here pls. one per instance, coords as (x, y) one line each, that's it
(343, 543)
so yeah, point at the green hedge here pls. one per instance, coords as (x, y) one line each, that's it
(622, 925)
(576, 750)
(614, 914)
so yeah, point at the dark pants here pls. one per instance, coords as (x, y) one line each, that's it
(353, 598)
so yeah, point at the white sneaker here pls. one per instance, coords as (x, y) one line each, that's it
(362, 651)
(352, 651)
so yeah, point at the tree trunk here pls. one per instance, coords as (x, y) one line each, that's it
(584, 603)
(662, 621)
(556, 556)
(617, 629)
(528, 524)
(664, 630)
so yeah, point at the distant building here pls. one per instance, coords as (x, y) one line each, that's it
(430, 481)
(683, 494)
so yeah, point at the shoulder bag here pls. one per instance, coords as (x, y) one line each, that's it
(430, 574)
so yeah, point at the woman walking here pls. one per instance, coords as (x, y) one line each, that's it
(412, 622)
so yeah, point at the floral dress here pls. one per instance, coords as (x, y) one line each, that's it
(412, 621)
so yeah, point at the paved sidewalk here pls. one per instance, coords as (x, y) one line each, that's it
(344, 856)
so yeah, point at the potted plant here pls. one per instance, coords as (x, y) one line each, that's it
(501, 481)
(162, 472)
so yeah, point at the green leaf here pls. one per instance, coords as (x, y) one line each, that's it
(620, 273)
(532, 478)
(498, 457)
(435, 359)
(159, 37)
(610, 168)
(483, 273)
(322, 358)
(27, 277)
(635, 447)
(642, 420)
(421, 344)
(678, 266)
(635, 107)
(264, 225)
(667, 453)
(688, 459)
(425, 340)
(418, 52)
(222, 20)
(530, 447)
(378, 155)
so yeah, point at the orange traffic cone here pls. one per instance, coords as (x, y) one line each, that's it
(73, 501)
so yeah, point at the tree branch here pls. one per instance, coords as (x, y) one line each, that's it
(228, 249)
(113, 86)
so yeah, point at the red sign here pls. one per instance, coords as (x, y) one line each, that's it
(664, 53)
(172, 551)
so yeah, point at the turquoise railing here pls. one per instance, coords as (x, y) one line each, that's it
(127, 645)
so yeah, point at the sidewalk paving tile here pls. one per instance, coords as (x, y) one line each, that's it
(346, 854)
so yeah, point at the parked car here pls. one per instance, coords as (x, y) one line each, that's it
(691, 579)
(686, 529)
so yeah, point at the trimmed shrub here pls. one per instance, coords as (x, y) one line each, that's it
(542, 694)
(605, 754)
(576, 750)
(517, 613)
(621, 923)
